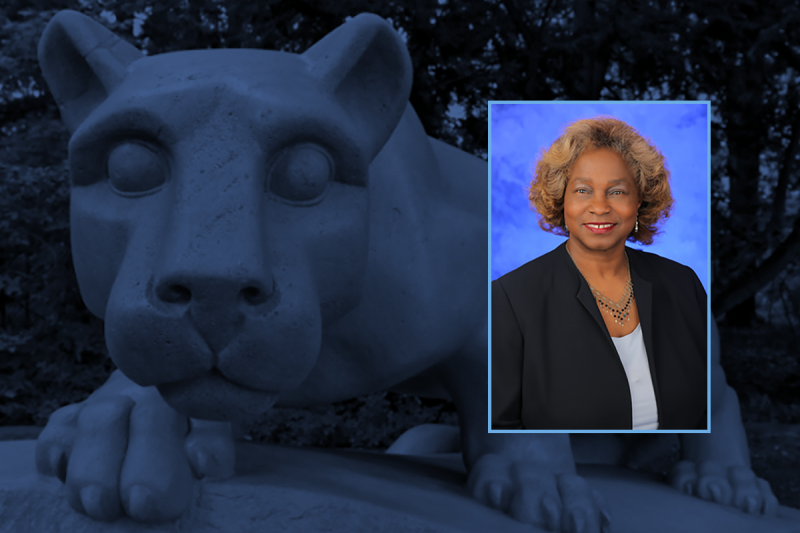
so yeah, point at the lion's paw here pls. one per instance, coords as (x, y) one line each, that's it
(534, 495)
(121, 455)
(736, 486)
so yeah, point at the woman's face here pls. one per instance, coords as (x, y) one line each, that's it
(601, 201)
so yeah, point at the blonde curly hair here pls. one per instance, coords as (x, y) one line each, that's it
(646, 163)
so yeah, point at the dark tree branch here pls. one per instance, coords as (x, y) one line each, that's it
(787, 169)
(747, 283)
(531, 40)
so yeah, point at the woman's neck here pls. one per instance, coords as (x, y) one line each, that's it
(599, 264)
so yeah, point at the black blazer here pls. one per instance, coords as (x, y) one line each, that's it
(554, 365)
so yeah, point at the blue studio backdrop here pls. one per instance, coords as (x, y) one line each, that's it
(519, 131)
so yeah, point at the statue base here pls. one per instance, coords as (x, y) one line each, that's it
(309, 490)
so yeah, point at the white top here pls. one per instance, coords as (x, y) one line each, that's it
(632, 353)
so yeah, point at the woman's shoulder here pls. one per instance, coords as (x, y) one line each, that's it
(649, 262)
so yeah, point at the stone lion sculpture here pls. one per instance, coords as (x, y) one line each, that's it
(260, 228)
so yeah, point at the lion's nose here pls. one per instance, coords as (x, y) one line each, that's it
(218, 307)
(183, 289)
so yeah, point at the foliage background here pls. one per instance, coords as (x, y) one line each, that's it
(742, 55)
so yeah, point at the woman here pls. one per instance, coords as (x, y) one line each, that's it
(595, 335)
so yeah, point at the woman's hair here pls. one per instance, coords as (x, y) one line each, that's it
(647, 165)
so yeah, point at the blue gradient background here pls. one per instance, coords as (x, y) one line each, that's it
(519, 130)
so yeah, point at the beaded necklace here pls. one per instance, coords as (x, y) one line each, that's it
(620, 309)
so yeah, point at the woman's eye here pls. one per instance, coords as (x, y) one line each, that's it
(300, 174)
(582, 190)
(134, 168)
(616, 192)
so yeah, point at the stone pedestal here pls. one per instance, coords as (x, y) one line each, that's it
(313, 490)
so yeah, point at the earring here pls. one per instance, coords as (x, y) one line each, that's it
(566, 228)
(636, 226)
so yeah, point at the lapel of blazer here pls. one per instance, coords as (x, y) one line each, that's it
(643, 292)
(586, 298)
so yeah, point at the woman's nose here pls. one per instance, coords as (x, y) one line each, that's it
(599, 206)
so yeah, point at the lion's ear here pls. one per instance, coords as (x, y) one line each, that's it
(82, 63)
(365, 65)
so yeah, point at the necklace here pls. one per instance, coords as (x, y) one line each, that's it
(620, 309)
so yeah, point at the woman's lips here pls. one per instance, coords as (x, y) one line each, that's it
(600, 227)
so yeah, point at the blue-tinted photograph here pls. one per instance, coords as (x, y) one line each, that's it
(601, 184)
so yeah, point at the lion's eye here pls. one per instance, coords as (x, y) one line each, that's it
(300, 174)
(135, 168)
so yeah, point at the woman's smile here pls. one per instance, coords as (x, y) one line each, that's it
(599, 228)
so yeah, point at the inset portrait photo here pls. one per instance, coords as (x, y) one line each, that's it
(599, 266)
